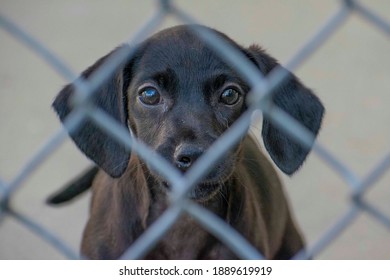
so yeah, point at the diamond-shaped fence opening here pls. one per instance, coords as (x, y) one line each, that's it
(259, 101)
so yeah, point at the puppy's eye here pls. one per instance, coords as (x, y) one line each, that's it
(230, 96)
(149, 96)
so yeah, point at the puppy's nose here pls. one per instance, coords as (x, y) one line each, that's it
(186, 155)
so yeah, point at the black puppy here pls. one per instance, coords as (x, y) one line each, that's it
(177, 96)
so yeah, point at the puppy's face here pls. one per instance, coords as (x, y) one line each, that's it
(178, 97)
(181, 98)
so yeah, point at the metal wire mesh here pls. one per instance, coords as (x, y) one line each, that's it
(259, 98)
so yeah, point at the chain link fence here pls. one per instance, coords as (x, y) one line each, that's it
(261, 88)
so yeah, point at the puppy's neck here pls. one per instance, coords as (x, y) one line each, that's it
(228, 204)
(200, 244)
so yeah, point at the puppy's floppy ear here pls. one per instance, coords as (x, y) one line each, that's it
(96, 144)
(296, 100)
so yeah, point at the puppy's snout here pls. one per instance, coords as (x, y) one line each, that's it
(186, 154)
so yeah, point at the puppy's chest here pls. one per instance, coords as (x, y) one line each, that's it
(186, 240)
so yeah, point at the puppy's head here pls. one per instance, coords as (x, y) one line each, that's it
(177, 96)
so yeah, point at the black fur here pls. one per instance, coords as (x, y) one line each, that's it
(177, 96)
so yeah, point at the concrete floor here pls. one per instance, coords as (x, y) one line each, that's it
(350, 73)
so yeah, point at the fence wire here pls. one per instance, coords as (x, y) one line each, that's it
(259, 100)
